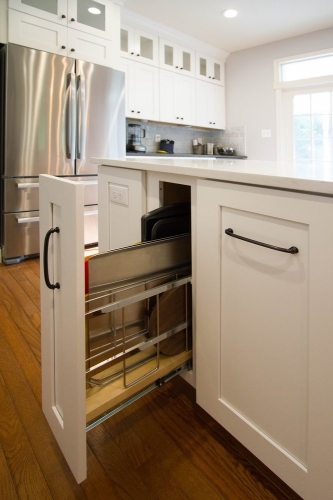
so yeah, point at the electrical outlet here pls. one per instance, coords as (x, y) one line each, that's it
(266, 133)
(118, 194)
(157, 137)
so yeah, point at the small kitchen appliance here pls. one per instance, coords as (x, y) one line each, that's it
(134, 135)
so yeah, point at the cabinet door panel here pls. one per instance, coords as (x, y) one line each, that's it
(146, 91)
(185, 100)
(264, 304)
(168, 97)
(80, 17)
(264, 322)
(62, 319)
(50, 10)
(31, 31)
(89, 48)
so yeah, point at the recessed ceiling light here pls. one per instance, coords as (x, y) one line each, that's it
(94, 10)
(230, 13)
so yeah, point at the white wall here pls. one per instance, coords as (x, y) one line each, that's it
(250, 97)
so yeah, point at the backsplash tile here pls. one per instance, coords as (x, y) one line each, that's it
(183, 137)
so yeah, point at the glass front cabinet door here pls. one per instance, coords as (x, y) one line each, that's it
(138, 45)
(209, 69)
(176, 58)
(90, 16)
(50, 10)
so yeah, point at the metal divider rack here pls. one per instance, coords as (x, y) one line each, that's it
(138, 322)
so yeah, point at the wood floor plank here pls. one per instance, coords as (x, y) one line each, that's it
(126, 481)
(28, 281)
(24, 468)
(53, 465)
(202, 448)
(168, 473)
(24, 312)
(22, 352)
(7, 488)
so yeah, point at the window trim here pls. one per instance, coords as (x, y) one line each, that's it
(283, 90)
(318, 80)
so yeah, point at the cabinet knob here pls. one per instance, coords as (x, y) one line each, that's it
(72, 50)
(209, 77)
(176, 67)
(177, 117)
(138, 111)
(132, 111)
(181, 68)
(182, 118)
(132, 53)
(72, 19)
(213, 77)
(138, 54)
(63, 46)
(63, 16)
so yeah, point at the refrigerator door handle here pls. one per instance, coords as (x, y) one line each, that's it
(25, 220)
(70, 117)
(81, 117)
(26, 185)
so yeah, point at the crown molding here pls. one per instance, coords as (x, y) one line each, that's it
(161, 30)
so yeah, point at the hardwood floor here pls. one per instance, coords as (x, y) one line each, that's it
(163, 446)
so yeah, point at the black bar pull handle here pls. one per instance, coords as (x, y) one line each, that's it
(292, 250)
(45, 258)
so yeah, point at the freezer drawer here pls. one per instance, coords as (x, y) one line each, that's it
(21, 235)
(22, 194)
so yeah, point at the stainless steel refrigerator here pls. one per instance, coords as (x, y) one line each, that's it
(56, 113)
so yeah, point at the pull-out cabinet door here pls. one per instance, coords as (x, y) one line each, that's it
(104, 343)
(62, 317)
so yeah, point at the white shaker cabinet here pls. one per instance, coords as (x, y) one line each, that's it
(209, 69)
(142, 90)
(177, 98)
(210, 105)
(264, 327)
(177, 58)
(37, 33)
(71, 13)
(138, 45)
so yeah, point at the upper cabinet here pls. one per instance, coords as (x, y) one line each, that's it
(93, 17)
(177, 98)
(138, 45)
(210, 105)
(142, 90)
(75, 28)
(209, 69)
(176, 58)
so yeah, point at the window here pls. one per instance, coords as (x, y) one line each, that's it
(304, 95)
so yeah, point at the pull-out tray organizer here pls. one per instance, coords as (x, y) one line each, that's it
(113, 327)
(138, 319)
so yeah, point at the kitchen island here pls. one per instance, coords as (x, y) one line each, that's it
(262, 234)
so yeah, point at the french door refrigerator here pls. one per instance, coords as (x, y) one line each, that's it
(56, 113)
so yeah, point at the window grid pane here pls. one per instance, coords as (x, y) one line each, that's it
(313, 126)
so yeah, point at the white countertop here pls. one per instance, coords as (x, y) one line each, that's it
(316, 177)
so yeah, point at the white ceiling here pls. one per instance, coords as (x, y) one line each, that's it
(258, 21)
